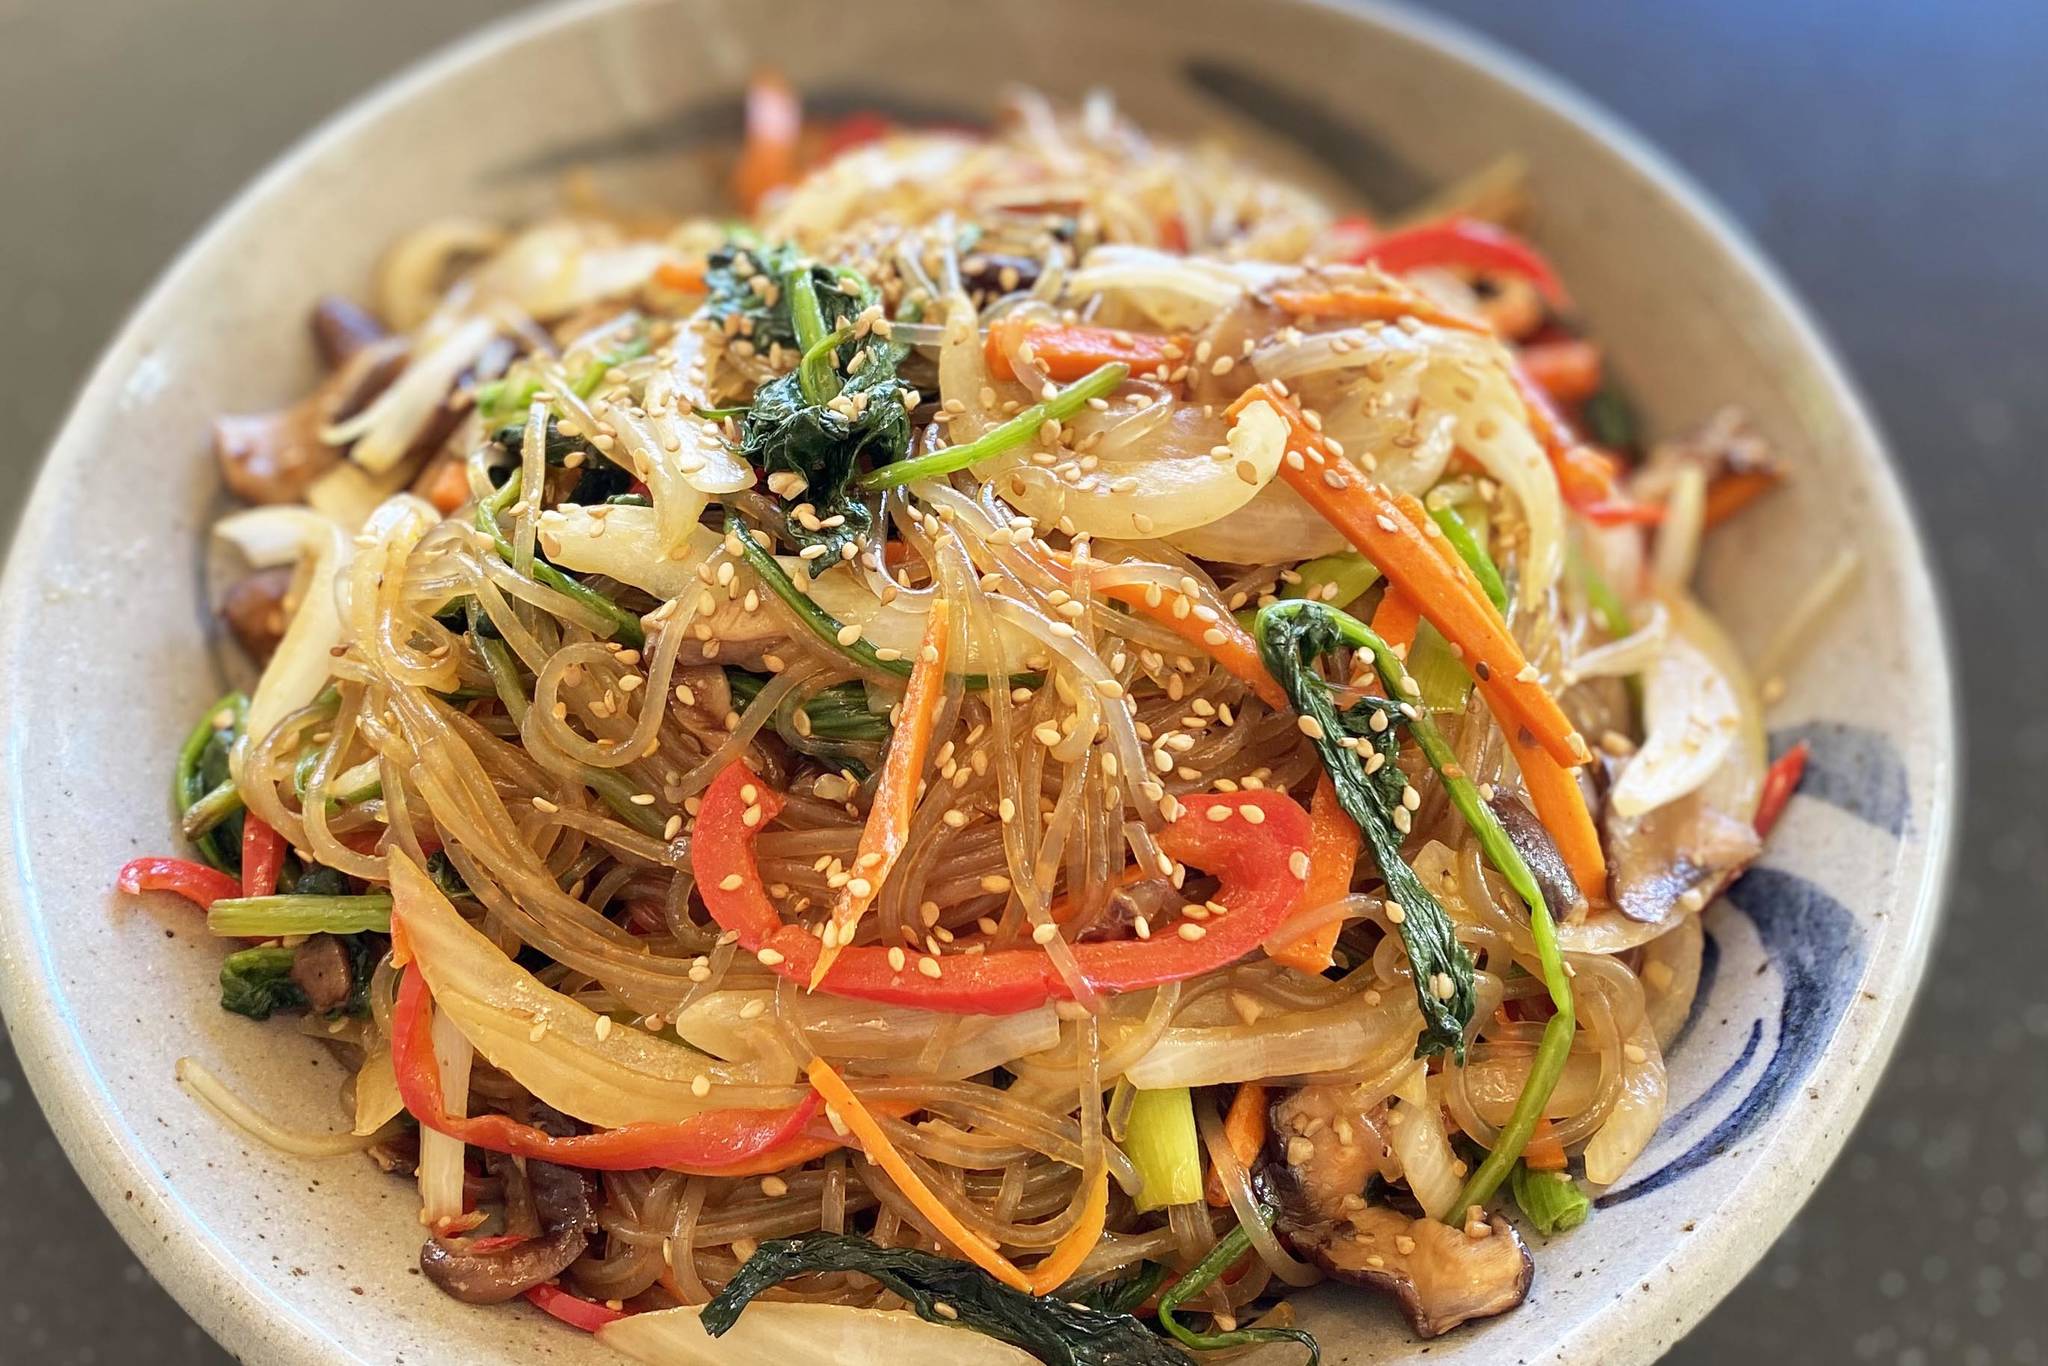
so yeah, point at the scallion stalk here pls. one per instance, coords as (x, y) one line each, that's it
(271, 917)
(1095, 384)
(1160, 1140)
(1551, 1201)
(1226, 1254)
(625, 626)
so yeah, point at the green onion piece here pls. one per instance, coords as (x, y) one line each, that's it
(1339, 579)
(217, 805)
(201, 768)
(1160, 1139)
(721, 414)
(840, 712)
(1095, 384)
(1225, 1255)
(1438, 672)
(593, 374)
(817, 620)
(1124, 1297)
(815, 373)
(1551, 1201)
(270, 917)
(625, 626)
(1469, 549)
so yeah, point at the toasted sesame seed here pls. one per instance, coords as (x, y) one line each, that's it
(1297, 863)
(700, 1086)
(1310, 727)
(928, 966)
(604, 1027)
(1191, 931)
(769, 957)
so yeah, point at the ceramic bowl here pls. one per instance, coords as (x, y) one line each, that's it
(107, 651)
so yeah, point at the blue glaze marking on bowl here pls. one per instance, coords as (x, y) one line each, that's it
(1852, 767)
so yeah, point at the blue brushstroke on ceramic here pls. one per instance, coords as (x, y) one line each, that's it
(1854, 768)
(1703, 1102)
(1710, 970)
(1817, 948)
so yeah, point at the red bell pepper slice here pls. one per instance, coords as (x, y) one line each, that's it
(1469, 244)
(262, 857)
(1781, 779)
(857, 129)
(197, 883)
(1253, 857)
(573, 1310)
(710, 1144)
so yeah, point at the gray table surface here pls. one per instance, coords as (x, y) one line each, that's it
(1891, 155)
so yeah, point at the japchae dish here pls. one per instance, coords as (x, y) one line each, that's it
(1027, 748)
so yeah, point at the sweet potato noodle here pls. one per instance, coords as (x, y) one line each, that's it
(1045, 713)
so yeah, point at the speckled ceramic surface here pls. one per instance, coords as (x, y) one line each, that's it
(105, 649)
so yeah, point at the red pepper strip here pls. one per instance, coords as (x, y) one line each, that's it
(573, 1310)
(262, 857)
(1588, 477)
(1781, 779)
(1469, 244)
(197, 883)
(857, 129)
(1569, 369)
(1262, 880)
(711, 1144)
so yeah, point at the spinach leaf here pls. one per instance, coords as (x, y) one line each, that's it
(256, 982)
(1292, 636)
(201, 780)
(1054, 1330)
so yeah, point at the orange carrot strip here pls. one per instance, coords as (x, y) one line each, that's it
(1373, 521)
(888, 827)
(1333, 843)
(1731, 493)
(1070, 352)
(685, 277)
(1372, 305)
(768, 157)
(1396, 619)
(1544, 1153)
(883, 1154)
(1569, 370)
(1067, 1255)
(446, 486)
(1244, 1131)
(1223, 640)
(1554, 791)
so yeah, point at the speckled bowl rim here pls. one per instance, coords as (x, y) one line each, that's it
(213, 1288)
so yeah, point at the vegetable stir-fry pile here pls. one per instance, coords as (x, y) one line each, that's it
(1038, 743)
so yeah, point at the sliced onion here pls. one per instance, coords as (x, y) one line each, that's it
(861, 1031)
(377, 1098)
(1276, 522)
(385, 429)
(441, 1157)
(552, 269)
(1179, 293)
(609, 1076)
(1415, 1131)
(1677, 551)
(412, 275)
(1692, 719)
(1369, 1030)
(915, 172)
(1162, 482)
(622, 542)
(1632, 654)
(299, 668)
(1638, 1108)
(349, 493)
(1671, 977)
(777, 1332)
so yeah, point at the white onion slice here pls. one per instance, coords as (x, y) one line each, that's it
(1637, 1110)
(379, 436)
(609, 1075)
(1415, 1131)
(299, 668)
(1691, 720)
(1376, 1027)
(1179, 293)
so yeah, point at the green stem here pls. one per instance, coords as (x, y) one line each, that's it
(217, 805)
(807, 320)
(1552, 1201)
(271, 917)
(1466, 543)
(1096, 383)
(625, 626)
(1226, 1254)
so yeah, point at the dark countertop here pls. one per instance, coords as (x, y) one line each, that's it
(1892, 156)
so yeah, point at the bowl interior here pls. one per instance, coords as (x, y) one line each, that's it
(108, 649)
